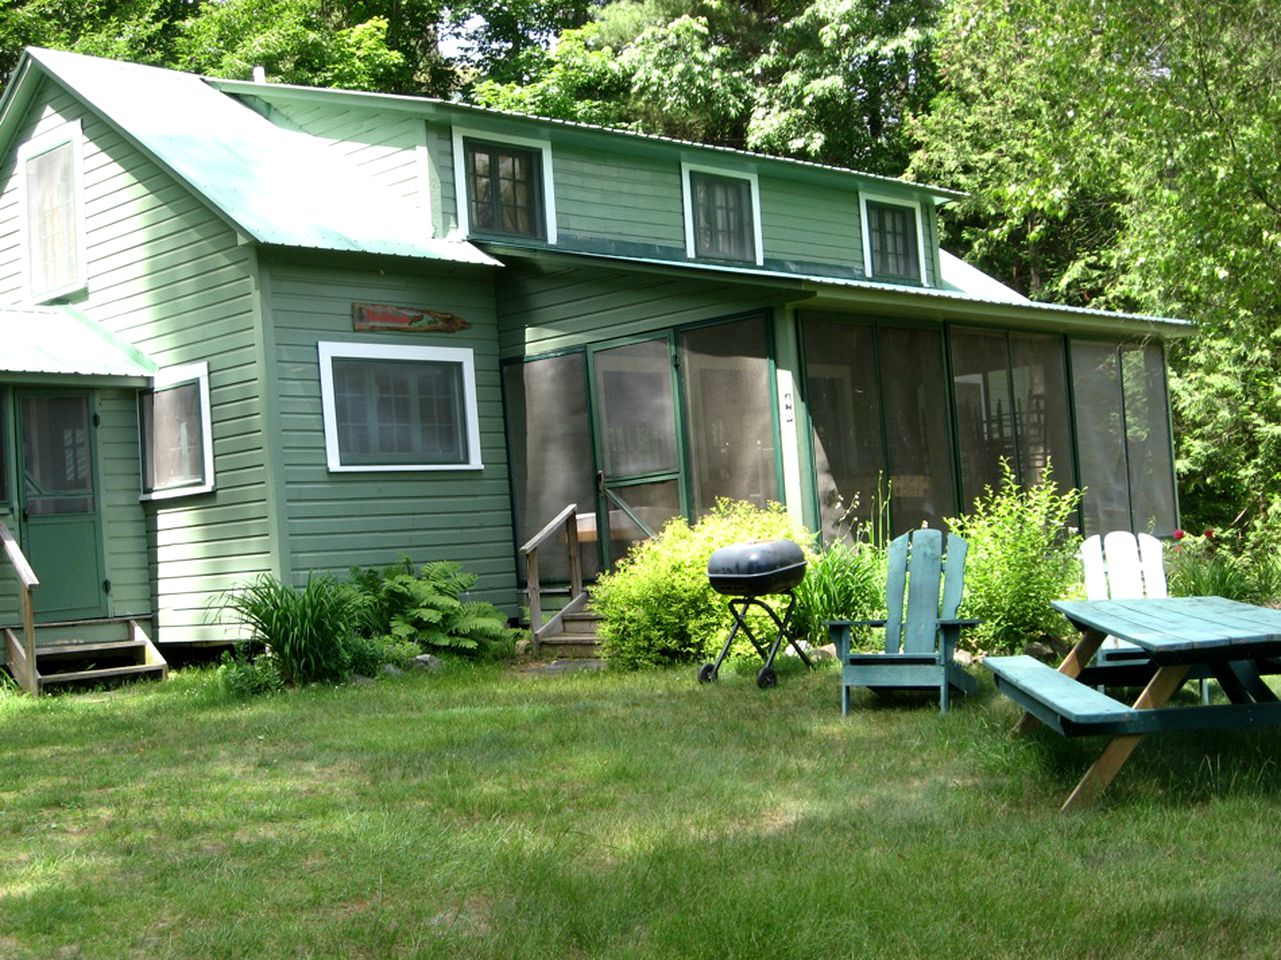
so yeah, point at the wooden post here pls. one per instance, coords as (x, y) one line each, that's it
(29, 638)
(575, 560)
(534, 592)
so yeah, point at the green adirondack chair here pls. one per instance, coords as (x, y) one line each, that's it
(921, 630)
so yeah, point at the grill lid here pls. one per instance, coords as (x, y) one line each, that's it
(756, 567)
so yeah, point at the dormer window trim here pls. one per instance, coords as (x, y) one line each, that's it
(66, 135)
(687, 199)
(462, 202)
(866, 226)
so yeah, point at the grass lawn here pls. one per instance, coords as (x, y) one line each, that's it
(491, 813)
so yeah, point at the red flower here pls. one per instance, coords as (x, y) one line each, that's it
(1210, 533)
(1179, 534)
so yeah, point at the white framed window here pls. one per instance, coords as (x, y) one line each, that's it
(51, 187)
(503, 186)
(394, 407)
(175, 433)
(722, 214)
(893, 239)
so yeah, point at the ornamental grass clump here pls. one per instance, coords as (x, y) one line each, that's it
(1022, 556)
(657, 606)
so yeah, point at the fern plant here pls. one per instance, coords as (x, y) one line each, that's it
(428, 606)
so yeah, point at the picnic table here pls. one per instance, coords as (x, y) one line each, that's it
(1234, 642)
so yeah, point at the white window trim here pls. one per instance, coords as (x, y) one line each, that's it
(912, 205)
(460, 176)
(464, 356)
(687, 200)
(69, 132)
(197, 373)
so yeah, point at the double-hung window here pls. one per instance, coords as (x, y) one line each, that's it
(393, 407)
(504, 187)
(53, 215)
(892, 241)
(175, 433)
(722, 216)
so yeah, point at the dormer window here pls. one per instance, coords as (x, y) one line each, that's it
(504, 187)
(53, 215)
(722, 215)
(893, 245)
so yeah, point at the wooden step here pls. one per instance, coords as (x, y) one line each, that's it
(581, 624)
(569, 646)
(74, 649)
(133, 670)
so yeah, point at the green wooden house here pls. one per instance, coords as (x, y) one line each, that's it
(248, 328)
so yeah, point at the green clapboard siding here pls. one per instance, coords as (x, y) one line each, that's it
(809, 227)
(336, 520)
(553, 311)
(617, 197)
(171, 277)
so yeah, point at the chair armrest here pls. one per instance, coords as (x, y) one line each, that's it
(839, 633)
(959, 624)
(949, 634)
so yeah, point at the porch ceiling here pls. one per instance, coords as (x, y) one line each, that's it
(59, 341)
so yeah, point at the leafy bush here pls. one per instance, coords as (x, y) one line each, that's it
(243, 675)
(657, 606)
(845, 581)
(368, 654)
(1021, 558)
(428, 608)
(307, 631)
(1210, 566)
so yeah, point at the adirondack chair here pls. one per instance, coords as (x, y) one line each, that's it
(921, 631)
(1125, 566)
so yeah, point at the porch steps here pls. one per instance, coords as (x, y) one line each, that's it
(67, 661)
(577, 640)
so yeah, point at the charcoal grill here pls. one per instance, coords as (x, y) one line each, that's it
(746, 572)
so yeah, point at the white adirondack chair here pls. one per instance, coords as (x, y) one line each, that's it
(1125, 566)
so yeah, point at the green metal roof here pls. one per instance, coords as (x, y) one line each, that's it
(64, 342)
(276, 186)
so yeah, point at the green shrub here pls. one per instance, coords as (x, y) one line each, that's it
(1210, 566)
(369, 654)
(244, 675)
(428, 608)
(657, 606)
(845, 581)
(1021, 558)
(307, 631)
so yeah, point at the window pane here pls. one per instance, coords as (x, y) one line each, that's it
(1096, 389)
(892, 233)
(984, 412)
(1147, 434)
(505, 188)
(51, 219)
(550, 453)
(731, 416)
(399, 411)
(920, 454)
(173, 437)
(722, 209)
(58, 474)
(845, 416)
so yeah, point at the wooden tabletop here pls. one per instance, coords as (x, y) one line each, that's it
(1182, 627)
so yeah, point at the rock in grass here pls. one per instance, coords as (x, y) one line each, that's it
(1042, 651)
(391, 670)
(427, 661)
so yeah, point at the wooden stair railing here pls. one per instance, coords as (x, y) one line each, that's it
(567, 519)
(22, 655)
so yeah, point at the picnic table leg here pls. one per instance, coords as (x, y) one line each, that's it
(1158, 691)
(1072, 665)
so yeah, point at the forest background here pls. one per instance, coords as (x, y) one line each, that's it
(1123, 154)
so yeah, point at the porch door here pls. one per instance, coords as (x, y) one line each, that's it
(639, 485)
(59, 505)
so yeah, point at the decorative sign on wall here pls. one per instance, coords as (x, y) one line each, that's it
(373, 316)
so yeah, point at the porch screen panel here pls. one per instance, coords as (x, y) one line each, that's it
(914, 394)
(731, 419)
(984, 410)
(4, 477)
(550, 454)
(845, 417)
(1041, 422)
(1147, 437)
(637, 422)
(1101, 441)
